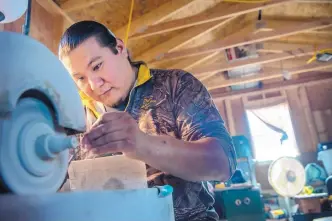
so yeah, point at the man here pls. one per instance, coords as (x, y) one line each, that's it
(165, 118)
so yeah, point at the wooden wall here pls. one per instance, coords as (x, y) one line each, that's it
(44, 27)
(310, 108)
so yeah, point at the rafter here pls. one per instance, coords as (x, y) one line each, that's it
(269, 47)
(156, 16)
(218, 14)
(289, 63)
(271, 75)
(312, 79)
(182, 39)
(224, 66)
(200, 61)
(54, 9)
(279, 47)
(314, 1)
(187, 64)
(74, 5)
(250, 39)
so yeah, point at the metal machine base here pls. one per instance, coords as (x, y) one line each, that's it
(119, 205)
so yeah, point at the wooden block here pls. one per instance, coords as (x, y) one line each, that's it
(310, 205)
(114, 172)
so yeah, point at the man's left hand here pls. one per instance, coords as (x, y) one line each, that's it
(114, 132)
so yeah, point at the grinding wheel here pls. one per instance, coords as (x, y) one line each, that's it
(34, 152)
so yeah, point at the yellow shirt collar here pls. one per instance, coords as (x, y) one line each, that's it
(143, 75)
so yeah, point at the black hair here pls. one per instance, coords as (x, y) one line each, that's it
(77, 33)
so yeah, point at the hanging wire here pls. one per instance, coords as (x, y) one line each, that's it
(129, 22)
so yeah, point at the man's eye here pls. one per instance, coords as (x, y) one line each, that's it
(97, 67)
(80, 78)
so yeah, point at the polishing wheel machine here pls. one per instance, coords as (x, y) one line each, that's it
(40, 115)
(40, 110)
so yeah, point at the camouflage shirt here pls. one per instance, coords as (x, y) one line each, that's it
(174, 103)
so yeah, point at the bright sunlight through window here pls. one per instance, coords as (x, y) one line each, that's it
(266, 141)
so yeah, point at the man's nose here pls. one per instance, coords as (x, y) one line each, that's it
(95, 83)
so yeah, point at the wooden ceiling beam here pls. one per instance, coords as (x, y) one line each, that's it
(200, 61)
(74, 5)
(54, 9)
(289, 63)
(156, 16)
(225, 66)
(270, 75)
(191, 62)
(205, 17)
(314, 1)
(220, 45)
(313, 78)
(181, 39)
(307, 38)
(279, 47)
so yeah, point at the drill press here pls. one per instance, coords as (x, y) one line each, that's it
(40, 109)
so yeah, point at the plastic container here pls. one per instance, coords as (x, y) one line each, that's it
(325, 156)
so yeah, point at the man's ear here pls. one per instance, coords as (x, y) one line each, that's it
(121, 47)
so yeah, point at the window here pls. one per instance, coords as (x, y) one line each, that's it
(266, 141)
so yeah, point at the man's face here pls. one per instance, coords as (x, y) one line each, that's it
(98, 72)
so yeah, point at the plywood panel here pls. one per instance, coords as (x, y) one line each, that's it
(301, 130)
(141, 46)
(328, 120)
(115, 13)
(308, 115)
(319, 122)
(197, 7)
(44, 27)
(230, 118)
(297, 10)
(217, 79)
(220, 104)
(232, 26)
(15, 26)
(320, 96)
(240, 120)
(307, 38)
(320, 125)
(221, 32)
(274, 80)
(289, 63)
